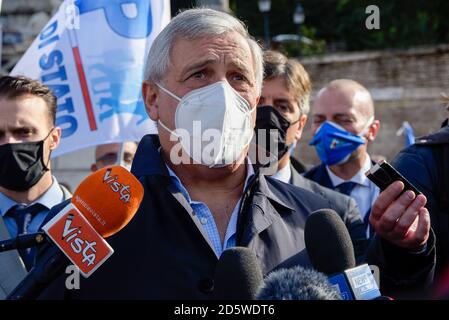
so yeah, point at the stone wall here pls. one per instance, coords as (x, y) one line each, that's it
(405, 84)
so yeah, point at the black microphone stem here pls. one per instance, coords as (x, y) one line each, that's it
(23, 241)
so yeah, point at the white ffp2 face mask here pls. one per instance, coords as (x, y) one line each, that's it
(213, 124)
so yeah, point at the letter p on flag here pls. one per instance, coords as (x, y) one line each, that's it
(79, 241)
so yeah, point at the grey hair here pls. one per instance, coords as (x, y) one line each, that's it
(194, 24)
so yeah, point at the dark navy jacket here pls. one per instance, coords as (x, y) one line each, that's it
(319, 175)
(163, 253)
(419, 163)
(345, 206)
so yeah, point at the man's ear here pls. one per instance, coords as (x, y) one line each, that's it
(55, 138)
(93, 167)
(373, 130)
(301, 124)
(150, 92)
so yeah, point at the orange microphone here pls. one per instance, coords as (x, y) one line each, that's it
(101, 206)
(108, 199)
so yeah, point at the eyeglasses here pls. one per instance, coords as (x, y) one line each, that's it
(111, 158)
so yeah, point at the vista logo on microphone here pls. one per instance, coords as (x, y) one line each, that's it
(116, 186)
(80, 242)
(78, 245)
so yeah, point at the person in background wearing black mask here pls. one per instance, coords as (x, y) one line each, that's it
(27, 188)
(283, 106)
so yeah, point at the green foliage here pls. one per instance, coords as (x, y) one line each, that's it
(340, 24)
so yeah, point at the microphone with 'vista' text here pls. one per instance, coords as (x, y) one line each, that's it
(101, 206)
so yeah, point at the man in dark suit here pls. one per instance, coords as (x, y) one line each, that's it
(205, 67)
(27, 188)
(343, 125)
(285, 100)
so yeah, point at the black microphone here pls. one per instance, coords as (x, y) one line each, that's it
(238, 275)
(23, 241)
(328, 242)
(297, 283)
(330, 249)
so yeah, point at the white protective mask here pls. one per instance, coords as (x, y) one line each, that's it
(213, 124)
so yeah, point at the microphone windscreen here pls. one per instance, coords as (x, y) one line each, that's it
(328, 242)
(238, 275)
(108, 199)
(297, 284)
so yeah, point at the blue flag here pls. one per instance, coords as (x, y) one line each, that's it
(407, 130)
(91, 54)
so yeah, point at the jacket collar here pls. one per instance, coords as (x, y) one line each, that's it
(147, 160)
(260, 208)
(439, 137)
(48, 199)
(258, 193)
(276, 199)
(322, 177)
(296, 179)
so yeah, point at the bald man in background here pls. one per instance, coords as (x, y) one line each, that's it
(106, 155)
(343, 127)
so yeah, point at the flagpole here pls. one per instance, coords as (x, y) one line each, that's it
(120, 155)
(73, 39)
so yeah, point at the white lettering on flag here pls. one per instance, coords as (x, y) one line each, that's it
(94, 63)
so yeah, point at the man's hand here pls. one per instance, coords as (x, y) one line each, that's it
(401, 220)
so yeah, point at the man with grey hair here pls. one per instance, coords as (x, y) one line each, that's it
(203, 82)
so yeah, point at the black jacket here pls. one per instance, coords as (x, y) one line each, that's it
(319, 175)
(164, 254)
(345, 206)
(420, 164)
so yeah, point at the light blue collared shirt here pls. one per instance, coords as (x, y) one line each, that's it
(365, 192)
(207, 219)
(50, 198)
(284, 175)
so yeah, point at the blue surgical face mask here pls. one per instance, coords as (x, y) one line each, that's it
(334, 145)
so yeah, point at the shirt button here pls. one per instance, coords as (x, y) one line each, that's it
(203, 220)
